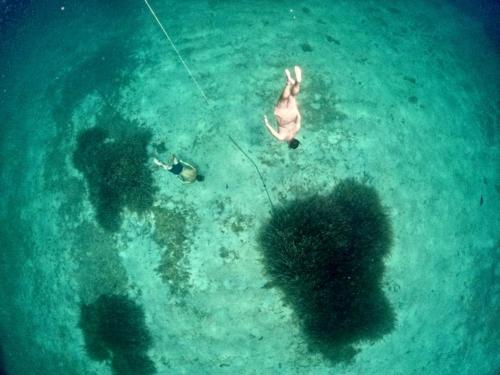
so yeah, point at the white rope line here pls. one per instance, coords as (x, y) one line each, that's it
(176, 51)
(206, 100)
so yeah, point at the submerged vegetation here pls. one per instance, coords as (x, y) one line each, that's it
(326, 254)
(172, 235)
(112, 156)
(114, 329)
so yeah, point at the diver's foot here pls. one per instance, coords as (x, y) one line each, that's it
(289, 79)
(298, 73)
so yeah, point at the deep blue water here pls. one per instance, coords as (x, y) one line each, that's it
(488, 11)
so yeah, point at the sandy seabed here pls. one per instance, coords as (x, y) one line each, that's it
(403, 97)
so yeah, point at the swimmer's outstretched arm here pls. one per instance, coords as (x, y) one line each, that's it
(273, 132)
(298, 122)
(162, 164)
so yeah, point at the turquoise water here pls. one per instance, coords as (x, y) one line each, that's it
(402, 96)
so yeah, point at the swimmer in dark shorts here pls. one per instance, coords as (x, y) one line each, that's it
(184, 171)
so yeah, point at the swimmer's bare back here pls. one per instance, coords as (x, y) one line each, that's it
(286, 110)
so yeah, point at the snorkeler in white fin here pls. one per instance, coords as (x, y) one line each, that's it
(287, 112)
(183, 170)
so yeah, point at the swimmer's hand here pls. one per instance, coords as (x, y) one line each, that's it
(157, 162)
(273, 132)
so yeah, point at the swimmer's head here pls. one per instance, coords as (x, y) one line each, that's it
(294, 143)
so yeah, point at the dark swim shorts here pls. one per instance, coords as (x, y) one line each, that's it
(176, 168)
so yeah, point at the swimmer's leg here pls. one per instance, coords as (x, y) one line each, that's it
(298, 79)
(283, 100)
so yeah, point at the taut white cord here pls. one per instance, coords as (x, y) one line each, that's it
(176, 51)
